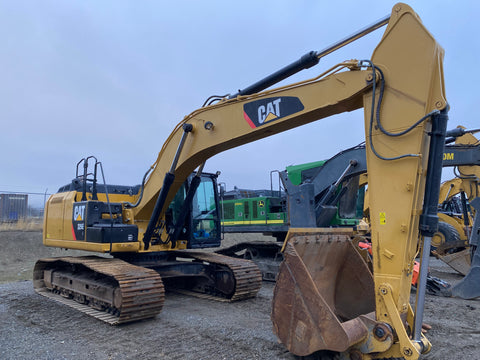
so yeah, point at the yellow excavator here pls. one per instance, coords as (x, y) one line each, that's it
(457, 246)
(451, 242)
(457, 201)
(325, 298)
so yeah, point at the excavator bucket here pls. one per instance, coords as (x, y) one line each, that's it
(323, 287)
(469, 286)
(459, 261)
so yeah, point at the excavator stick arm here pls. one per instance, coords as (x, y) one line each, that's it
(397, 133)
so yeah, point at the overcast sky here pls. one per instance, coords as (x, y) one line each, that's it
(113, 78)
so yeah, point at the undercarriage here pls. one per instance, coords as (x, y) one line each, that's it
(118, 291)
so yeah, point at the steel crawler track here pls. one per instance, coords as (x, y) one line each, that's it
(116, 292)
(141, 294)
(245, 273)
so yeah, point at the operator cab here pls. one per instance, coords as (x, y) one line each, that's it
(201, 228)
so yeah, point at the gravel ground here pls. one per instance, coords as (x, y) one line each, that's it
(36, 328)
(33, 327)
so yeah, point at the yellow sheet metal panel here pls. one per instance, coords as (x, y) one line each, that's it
(58, 216)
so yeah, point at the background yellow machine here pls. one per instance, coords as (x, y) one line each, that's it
(325, 298)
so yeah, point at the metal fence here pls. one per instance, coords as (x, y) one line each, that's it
(21, 206)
